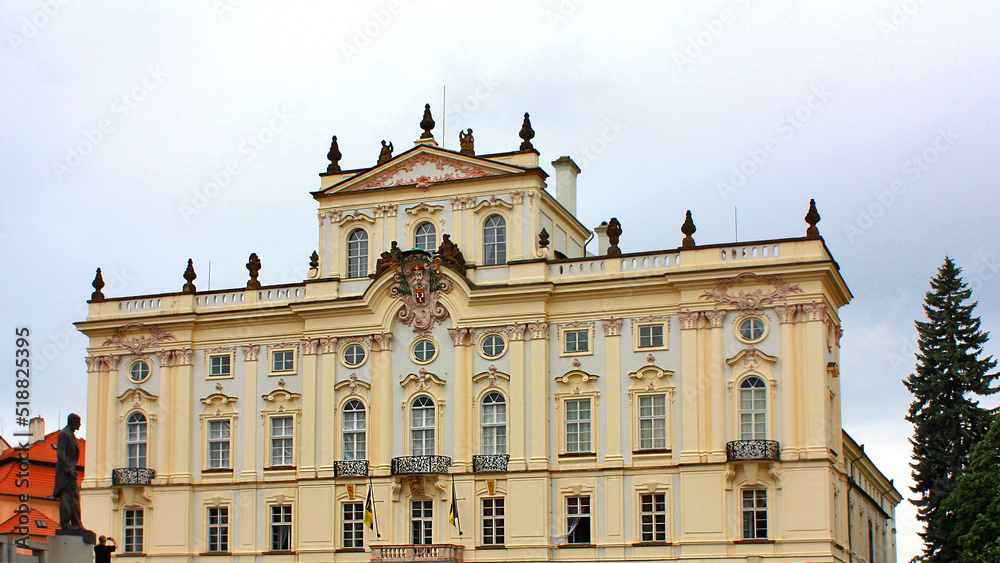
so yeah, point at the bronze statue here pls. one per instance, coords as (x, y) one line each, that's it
(66, 489)
(467, 142)
(386, 154)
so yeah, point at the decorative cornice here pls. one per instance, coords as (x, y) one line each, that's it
(574, 324)
(753, 301)
(421, 381)
(583, 377)
(218, 399)
(424, 208)
(460, 171)
(137, 344)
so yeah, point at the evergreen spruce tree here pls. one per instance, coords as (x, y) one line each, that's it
(946, 416)
(971, 513)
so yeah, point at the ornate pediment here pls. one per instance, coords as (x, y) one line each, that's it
(421, 381)
(138, 398)
(423, 168)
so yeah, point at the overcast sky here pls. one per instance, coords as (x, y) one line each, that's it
(136, 135)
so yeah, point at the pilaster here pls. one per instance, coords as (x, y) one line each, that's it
(716, 395)
(328, 408)
(518, 369)
(381, 434)
(539, 417)
(613, 385)
(788, 392)
(113, 436)
(691, 416)
(310, 406)
(251, 441)
(97, 426)
(182, 437)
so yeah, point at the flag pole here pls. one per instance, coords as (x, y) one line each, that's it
(454, 505)
(371, 489)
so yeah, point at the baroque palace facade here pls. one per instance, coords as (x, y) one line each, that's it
(455, 348)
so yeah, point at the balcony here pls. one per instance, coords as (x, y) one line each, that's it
(496, 463)
(433, 553)
(421, 465)
(132, 476)
(752, 450)
(352, 468)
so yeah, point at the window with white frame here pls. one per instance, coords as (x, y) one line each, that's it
(218, 444)
(421, 522)
(651, 336)
(493, 521)
(220, 365)
(354, 428)
(354, 355)
(493, 346)
(136, 439)
(281, 527)
(422, 426)
(282, 361)
(357, 254)
(578, 419)
(753, 409)
(754, 514)
(652, 422)
(354, 525)
(282, 438)
(218, 529)
(653, 517)
(133, 530)
(578, 519)
(494, 241)
(425, 237)
(494, 431)
(576, 341)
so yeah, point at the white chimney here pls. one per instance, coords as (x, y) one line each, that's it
(566, 172)
(602, 239)
(36, 429)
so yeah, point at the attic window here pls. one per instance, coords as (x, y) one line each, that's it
(41, 524)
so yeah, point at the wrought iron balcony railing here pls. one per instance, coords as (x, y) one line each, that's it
(351, 468)
(433, 553)
(753, 450)
(496, 463)
(420, 465)
(132, 476)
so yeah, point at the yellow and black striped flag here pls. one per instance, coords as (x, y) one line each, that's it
(453, 513)
(369, 510)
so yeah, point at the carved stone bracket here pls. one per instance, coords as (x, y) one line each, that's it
(458, 335)
(384, 341)
(329, 345)
(250, 352)
(183, 356)
(815, 311)
(166, 357)
(309, 346)
(715, 318)
(458, 203)
(517, 197)
(386, 210)
(93, 364)
(752, 301)
(690, 319)
(539, 331)
(786, 313)
(515, 331)
(612, 327)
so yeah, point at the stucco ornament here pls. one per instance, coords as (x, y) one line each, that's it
(754, 300)
(418, 283)
(137, 344)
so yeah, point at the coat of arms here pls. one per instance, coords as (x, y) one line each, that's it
(418, 282)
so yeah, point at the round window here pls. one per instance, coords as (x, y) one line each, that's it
(354, 355)
(424, 351)
(493, 346)
(139, 371)
(752, 329)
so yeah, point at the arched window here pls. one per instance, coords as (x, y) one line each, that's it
(753, 409)
(426, 237)
(354, 430)
(422, 427)
(136, 440)
(494, 424)
(495, 241)
(357, 254)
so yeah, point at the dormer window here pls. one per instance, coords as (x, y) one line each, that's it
(425, 237)
(357, 254)
(494, 241)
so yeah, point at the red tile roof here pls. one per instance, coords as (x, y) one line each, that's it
(41, 475)
(38, 524)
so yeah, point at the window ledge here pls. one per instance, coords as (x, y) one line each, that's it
(576, 545)
(578, 455)
(653, 452)
(215, 553)
(280, 468)
(753, 541)
(490, 547)
(288, 552)
(349, 550)
(217, 470)
(651, 544)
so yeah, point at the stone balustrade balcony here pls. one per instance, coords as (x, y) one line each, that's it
(432, 553)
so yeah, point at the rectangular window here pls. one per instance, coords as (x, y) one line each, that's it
(133, 530)
(653, 515)
(651, 336)
(421, 521)
(354, 525)
(218, 529)
(281, 528)
(218, 444)
(754, 514)
(219, 365)
(281, 441)
(578, 426)
(576, 341)
(493, 521)
(652, 422)
(578, 519)
(354, 433)
(282, 361)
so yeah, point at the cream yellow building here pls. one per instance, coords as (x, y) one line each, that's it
(459, 344)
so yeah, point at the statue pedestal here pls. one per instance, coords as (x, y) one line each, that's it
(69, 549)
